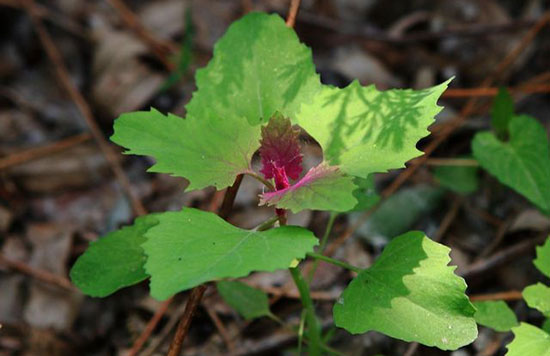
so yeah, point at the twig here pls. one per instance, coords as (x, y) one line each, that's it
(160, 48)
(185, 322)
(509, 295)
(458, 162)
(411, 350)
(292, 12)
(65, 23)
(448, 219)
(39, 152)
(63, 76)
(41, 275)
(151, 325)
(490, 92)
(501, 232)
(220, 327)
(502, 257)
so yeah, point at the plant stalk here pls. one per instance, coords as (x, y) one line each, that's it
(322, 246)
(313, 331)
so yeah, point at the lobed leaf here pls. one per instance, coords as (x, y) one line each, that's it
(206, 152)
(114, 261)
(250, 302)
(529, 340)
(522, 163)
(542, 261)
(363, 130)
(538, 296)
(323, 187)
(410, 293)
(259, 67)
(191, 247)
(496, 315)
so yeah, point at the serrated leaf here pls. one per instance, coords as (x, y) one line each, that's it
(529, 340)
(323, 187)
(364, 130)
(114, 261)
(410, 293)
(502, 111)
(259, 67)
(460, 179)
(522, 163)
(496, 315)
(205, 152)
(365, 193)
(249, 302)
(542, 261)
(191, 247)
(538, 296)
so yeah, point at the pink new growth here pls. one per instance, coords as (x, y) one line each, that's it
(280, 153)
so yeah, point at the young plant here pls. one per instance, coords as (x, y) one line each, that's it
(257, 94)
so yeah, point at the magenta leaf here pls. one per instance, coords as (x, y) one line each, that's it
(280, 150)
(323, 187)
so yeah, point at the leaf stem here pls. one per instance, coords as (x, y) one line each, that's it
(268, 224)
(261, 179)
(333, 261)
(323, 244)
(313, 331)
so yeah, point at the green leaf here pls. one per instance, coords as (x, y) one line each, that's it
(365, 193)
(114, 261)
(542, 262)
(459, 179)
(324, 187)
(522, 163)
(364, 130)
(546, 325)
(538, 296)
(502, 112)
(191, 247)
(203, 151)
(410, 293)
(496, 315)
(259, 67)
(529, 341)
(249, 302)
(397, 214)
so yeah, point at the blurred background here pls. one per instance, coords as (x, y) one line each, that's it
(68, 68)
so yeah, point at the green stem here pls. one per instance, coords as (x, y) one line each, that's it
(268, 224)
(267, 183)
(313, 331)
(322, 246)
(338, 263)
